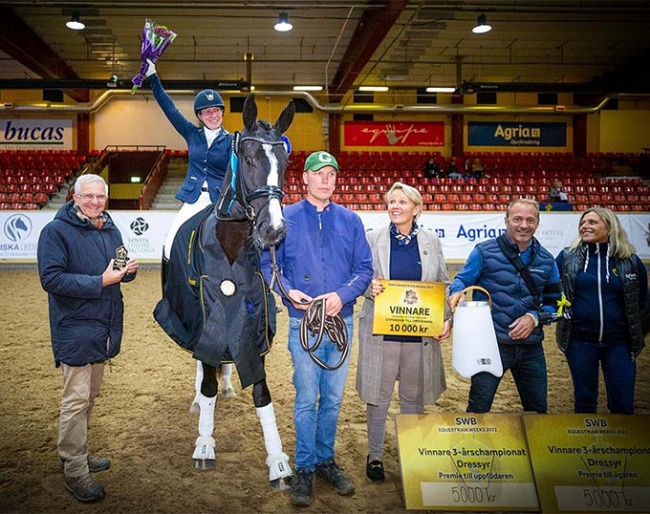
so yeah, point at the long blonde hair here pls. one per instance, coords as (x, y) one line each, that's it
(619, 244)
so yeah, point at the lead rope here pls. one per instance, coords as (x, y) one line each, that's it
(316, 322)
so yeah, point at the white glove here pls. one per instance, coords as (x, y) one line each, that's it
(151, 68)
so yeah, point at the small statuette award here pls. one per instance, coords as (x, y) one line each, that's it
(121, 256)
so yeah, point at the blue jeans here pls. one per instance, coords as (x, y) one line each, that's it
(527, 364)
(318, 396)
(619, 371)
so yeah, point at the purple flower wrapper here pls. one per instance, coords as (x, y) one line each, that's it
(155, 41)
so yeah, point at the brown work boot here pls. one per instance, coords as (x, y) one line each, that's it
(84, 488)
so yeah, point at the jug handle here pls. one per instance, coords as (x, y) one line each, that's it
(471, 288)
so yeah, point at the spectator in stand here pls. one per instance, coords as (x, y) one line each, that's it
(557, 194)
(607, 286)
(432, 169)
(477, 169)
(452, 171)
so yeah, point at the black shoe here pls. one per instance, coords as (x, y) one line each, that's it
(301, 486)
(333, 475)
(375, 470)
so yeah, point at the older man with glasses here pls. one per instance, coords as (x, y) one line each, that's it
(81, 263)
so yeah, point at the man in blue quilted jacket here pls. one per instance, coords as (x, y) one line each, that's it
(524, 284)
(81, 263)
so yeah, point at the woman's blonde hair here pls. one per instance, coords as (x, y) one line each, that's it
(409, 191)
(619, 244)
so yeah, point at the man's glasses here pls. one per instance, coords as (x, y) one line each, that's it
(87, 197)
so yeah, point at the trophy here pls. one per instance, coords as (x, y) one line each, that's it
(121, 256)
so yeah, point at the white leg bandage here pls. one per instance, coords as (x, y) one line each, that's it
(277, 460)
(227, 390)
(206, 416)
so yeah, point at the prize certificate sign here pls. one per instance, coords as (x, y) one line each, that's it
(410, 308)
(466, 462)
(589, 462)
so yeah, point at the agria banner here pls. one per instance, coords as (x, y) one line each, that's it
(480, 133)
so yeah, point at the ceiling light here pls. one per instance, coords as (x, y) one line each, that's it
(74, 23)
(373, 88)
(307, 88)
(481, 25)
(283, 24)
(441, 89)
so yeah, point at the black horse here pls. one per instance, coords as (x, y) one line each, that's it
(216, 303)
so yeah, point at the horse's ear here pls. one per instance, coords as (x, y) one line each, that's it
(286, 117)
(250, 113)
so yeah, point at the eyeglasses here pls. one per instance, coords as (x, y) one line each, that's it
(87, 197)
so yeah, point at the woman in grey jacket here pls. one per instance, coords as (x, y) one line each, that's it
(401, 251)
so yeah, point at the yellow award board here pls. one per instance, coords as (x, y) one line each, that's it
(410, 308)
(590, 463)
(465, 462)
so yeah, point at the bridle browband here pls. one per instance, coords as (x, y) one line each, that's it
(237, 188)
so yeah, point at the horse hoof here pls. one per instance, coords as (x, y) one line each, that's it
(204, 464)
(281, 484)
(194, 408)
(228, 393)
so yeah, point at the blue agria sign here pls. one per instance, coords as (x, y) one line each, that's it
(516, 134)
(17, 228)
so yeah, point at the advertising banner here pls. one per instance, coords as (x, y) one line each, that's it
(41, 134)
(394, 133)
(488, 133)
(144, 232)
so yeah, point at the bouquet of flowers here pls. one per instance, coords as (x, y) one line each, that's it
(155, 40)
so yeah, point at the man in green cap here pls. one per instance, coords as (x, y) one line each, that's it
(324, 255)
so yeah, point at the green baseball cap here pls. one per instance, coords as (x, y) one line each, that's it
(319, 160)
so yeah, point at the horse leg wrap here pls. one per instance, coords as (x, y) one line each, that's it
(206, 415)
(277, 461)
(195, 408)
(204, 457)
(227, 390)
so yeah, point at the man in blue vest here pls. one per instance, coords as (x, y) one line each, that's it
(524, 284)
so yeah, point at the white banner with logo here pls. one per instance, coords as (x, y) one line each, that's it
(37, 134)
(144, 232)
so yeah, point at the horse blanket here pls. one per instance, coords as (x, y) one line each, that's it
(221, 313)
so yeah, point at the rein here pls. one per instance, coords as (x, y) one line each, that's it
(316, 322)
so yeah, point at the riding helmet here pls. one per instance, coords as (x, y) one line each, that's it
(207, 98)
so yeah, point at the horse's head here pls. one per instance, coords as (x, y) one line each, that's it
(261, 160)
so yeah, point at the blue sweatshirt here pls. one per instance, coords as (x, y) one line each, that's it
(322, 252)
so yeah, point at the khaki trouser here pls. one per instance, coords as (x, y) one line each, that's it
(80, 388)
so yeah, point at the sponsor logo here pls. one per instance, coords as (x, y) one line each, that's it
(139, 226)
(18, 227)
